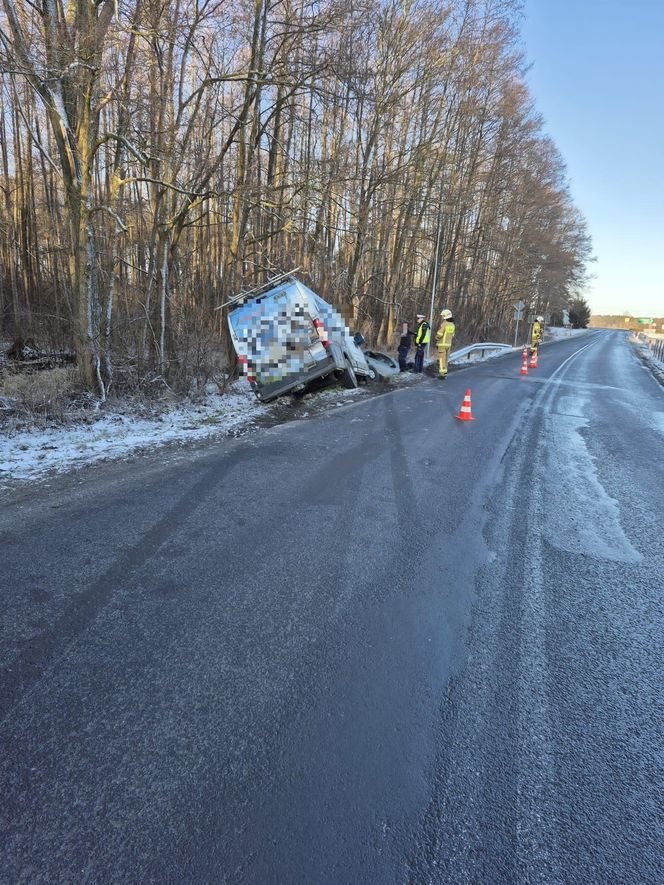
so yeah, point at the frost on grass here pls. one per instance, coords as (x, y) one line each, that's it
(558, 332)
(114, 434)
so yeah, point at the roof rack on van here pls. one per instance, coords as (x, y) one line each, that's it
(251, 293)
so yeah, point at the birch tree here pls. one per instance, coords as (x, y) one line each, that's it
(158, 156)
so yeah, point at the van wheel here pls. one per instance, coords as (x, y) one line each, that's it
(350, 378)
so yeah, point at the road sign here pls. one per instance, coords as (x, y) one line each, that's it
(517, 315)
(520, 305)
(644, 321)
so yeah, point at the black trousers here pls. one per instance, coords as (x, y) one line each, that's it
(419, 358)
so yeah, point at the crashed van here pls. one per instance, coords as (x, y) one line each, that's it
(287, 337)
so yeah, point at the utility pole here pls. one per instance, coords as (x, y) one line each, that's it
(435, 274)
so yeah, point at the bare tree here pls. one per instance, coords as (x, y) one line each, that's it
(159, 155)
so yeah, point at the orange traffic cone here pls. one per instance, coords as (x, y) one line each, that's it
(533, 360)
(524, 361)
(465, 411)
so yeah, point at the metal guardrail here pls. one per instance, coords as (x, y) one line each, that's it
(482, 347)
(655, 344)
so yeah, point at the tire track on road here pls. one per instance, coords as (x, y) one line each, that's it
(537, 842)
(493, 783)
(41, 652)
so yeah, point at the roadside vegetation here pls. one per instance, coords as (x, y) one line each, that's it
(39, 396)
(579, 313)
(159, 157)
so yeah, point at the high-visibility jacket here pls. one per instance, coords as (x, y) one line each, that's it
(445, 334)
(423, 334)
(536, 333)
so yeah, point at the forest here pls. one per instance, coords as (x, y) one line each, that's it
(160, 156)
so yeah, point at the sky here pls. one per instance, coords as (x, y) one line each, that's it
(597, 78)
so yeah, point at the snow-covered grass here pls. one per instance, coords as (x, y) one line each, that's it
(111, 434)
(116, 433)
(655, 365)
(557, 332)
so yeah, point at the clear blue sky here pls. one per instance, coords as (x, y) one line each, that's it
(597, 77)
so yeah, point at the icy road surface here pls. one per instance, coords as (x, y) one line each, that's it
(379, 646)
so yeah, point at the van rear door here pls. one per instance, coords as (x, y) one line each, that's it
(276, 339)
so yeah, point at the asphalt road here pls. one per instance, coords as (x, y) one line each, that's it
(380, 646)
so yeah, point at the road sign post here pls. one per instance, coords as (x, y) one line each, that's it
(518, 315)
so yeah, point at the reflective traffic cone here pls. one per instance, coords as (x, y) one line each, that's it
(533, 360)
(524, 361)
(465, 411)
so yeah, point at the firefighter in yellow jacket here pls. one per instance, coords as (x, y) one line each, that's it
(444, 337)
(536, 334)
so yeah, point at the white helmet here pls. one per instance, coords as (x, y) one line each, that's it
(446, 314)
(540, 319)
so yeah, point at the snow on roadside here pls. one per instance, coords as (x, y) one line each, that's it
(557, 332)
(32, 454)
(656, 366)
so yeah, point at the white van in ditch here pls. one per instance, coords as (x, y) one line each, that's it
(287, 336)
